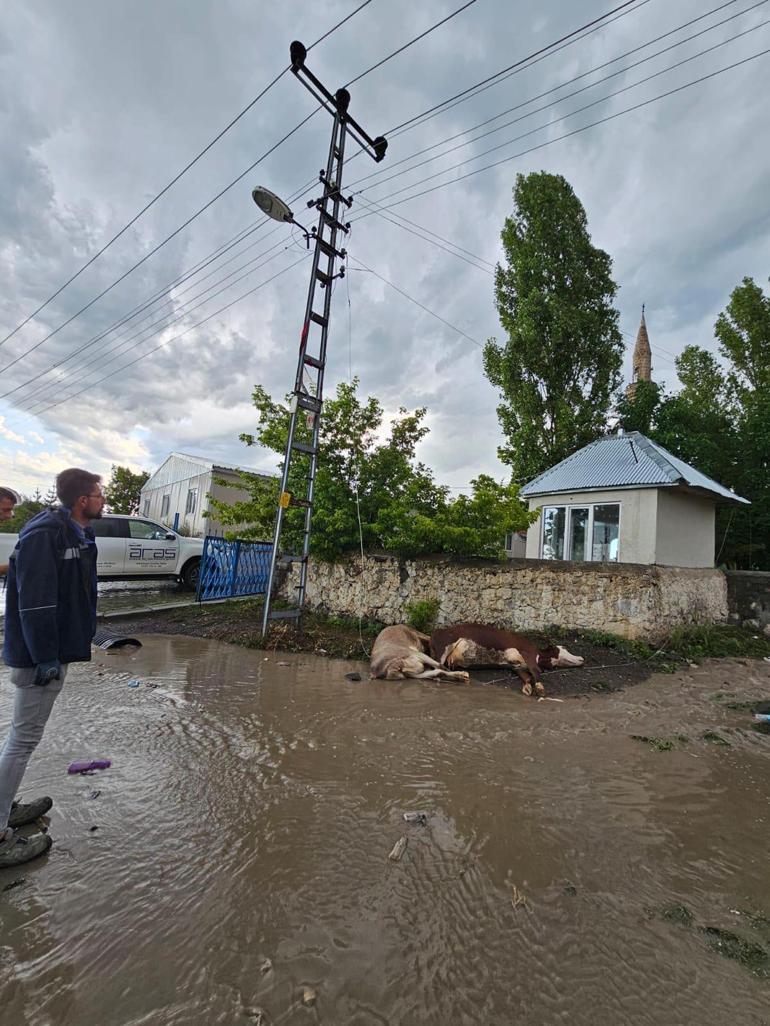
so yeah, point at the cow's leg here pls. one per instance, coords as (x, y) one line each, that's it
(529, 681)
(422, 667)
(441, 674)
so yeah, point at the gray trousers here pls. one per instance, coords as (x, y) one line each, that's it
(32, 706)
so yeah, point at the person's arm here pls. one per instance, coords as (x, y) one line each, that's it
(37, 583)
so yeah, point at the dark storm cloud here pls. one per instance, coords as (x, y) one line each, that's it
(102, 104)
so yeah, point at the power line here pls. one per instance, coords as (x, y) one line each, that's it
(216, 313)
(305, 188)
(214, 199)
(180, 313)
(411, 42)
(579, 110)
(176, 178)
(160, 245)
(559, 138)
(473, 262)
(517, 64)
(557, 88)
(418, 303)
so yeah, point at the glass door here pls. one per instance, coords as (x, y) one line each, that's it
(578, 534)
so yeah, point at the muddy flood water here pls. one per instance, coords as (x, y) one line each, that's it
(232, 866)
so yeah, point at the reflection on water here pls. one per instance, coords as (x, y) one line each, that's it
(252, 804)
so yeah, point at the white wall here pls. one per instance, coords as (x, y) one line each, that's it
(230, 496)
(685, 535)
(638, 515)
(177, 491)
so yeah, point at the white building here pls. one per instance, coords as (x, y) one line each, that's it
(177, 493)
(625, 499)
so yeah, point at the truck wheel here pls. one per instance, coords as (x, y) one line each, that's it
(191, 573)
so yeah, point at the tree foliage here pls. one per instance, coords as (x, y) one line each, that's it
(123, 490)
(719, 421)
(370, 489)
(22, 512)
(560, 365)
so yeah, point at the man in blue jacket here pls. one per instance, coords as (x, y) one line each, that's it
(50, 619)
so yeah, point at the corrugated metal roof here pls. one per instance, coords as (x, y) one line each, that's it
(623, 461)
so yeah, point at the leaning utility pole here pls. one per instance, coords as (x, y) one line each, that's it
(308, 383)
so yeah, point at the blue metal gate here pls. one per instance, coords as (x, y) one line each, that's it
(231, 568)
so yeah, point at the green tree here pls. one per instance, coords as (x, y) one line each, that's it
(380, 483)
(743, 332)
(560, 365)
(719, 421)
(23, 511)
(638, 412)
(123, 490)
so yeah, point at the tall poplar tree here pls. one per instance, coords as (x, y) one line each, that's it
(560, 365)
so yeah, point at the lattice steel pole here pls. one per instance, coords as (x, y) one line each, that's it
(307, 397)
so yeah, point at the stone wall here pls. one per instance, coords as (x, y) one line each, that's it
(627, 599)
(748, 595)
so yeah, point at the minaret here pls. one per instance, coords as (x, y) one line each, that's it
(642, 359)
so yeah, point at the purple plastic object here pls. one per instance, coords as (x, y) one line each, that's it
(89, 764)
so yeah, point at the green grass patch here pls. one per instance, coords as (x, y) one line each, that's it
(634, 650)
(679, 914)
(716, 641)
(715, 739)
(422, 615)
(658, 744)
(748, 954)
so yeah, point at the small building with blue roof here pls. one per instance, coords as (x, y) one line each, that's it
(625, 499)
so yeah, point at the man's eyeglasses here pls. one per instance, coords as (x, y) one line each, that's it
(95, 495)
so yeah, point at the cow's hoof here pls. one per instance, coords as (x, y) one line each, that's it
(466, 678)
(540, 689)
(526, 690)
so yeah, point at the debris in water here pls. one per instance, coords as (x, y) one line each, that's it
(398, 849)
(94, 794)
(266, 966)
(88, 765)
(282, 662)
(309, 996)
(658, 744)
(750, 955)
(256, 1016)
(353, 676)
(93, 829)
(544, 699)
(517, 898)
(715, 739)
(15, 883)
(570, 890)
(134, 683)
(421, 818)
(677, 914)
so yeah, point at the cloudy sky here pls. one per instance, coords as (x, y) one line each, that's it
(102, 104)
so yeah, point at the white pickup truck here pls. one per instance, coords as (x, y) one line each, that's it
(133, 547)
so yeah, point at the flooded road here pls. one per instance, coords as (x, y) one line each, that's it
(566, 874)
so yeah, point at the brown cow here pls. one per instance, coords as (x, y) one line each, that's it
(475, 644)
(401, 651)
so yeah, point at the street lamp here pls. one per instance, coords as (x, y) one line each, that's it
(271, 204)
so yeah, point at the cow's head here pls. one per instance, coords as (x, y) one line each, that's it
(556, 657)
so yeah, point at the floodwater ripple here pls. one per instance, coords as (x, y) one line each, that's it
(237, 851)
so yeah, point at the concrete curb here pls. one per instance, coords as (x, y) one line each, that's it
(121, 614)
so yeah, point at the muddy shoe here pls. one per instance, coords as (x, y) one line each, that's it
(27, 812)
(15, 851)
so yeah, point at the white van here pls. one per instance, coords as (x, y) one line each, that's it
(134, 547)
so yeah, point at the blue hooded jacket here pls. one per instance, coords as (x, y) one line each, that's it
(50, 606)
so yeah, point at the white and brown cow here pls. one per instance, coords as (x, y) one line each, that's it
(477, 645)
